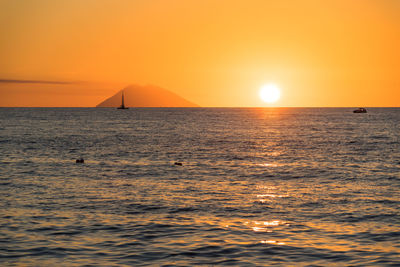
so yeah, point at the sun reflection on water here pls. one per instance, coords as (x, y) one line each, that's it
(265, 226)
(271, 195)
(272, 242)
(268, 165)
(261, 229)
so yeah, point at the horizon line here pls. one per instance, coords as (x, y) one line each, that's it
(203, 107)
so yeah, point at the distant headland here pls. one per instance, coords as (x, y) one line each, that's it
(146, 96)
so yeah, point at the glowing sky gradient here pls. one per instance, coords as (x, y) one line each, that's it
(214, 53)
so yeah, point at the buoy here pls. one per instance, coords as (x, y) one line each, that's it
(178, 163)
(81, 160)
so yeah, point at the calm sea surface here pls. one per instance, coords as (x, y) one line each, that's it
(258, 187)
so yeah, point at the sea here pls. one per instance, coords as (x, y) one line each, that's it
(199, 187)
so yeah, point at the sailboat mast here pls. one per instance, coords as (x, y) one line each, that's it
(122, 102)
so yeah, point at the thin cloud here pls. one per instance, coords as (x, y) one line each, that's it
(36, 81)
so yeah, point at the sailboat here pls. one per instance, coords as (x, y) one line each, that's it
(122, 102)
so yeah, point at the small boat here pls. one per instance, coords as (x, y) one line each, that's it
(122, 102)
(360, 110)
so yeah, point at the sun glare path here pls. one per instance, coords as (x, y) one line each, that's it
(270, 93)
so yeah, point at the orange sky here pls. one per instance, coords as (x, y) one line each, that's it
(214, 53)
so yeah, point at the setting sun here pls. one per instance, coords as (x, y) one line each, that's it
(270, 93)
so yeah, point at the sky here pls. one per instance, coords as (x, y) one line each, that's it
(216, 53)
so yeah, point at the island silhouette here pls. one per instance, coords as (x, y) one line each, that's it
(146, 96)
